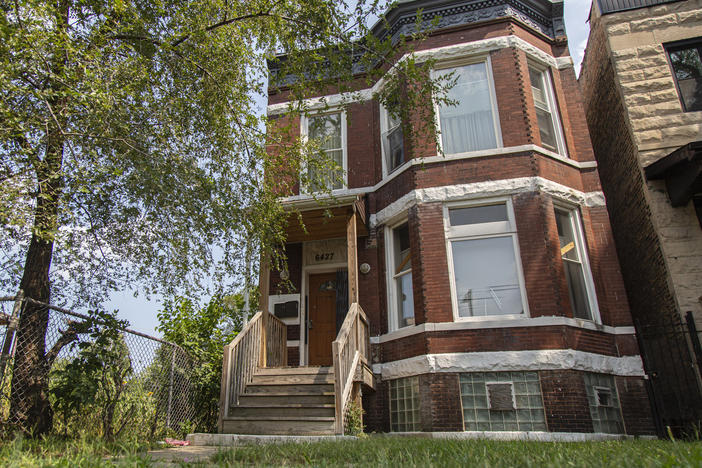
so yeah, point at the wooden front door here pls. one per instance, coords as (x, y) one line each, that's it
(322, 320)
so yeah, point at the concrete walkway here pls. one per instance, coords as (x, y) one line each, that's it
(203, 446)
(175, 455)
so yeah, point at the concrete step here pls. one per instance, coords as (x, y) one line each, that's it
(289, 410)
(272, 399)
(279, 426)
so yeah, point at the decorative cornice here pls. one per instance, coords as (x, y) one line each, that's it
(543, 16)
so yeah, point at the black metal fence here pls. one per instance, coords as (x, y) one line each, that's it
(102, 379)
(672, 356)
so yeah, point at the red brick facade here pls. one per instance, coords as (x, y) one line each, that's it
(547, 295)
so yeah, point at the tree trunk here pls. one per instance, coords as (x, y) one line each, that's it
(29, 396)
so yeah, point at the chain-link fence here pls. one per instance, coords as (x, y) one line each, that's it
(95, 376)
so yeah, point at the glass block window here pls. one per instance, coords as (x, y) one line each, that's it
(404, 405)
(604, 403)
(502, 401)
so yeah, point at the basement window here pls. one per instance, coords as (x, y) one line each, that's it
(686, 61)
(604, 403)
(404, 405)
(502, 401)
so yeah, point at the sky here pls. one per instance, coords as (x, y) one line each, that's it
(141, 313)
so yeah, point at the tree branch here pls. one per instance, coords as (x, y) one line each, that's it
(67, 337)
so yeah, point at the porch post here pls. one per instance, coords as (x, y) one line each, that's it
(352, 257)
(264, 287)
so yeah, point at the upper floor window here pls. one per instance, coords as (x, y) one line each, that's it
(400, 296)
(580, 285)
(546, 113)
(483, 261)
(686, 60)
(393, 140)
(471, 124)
(330, 132)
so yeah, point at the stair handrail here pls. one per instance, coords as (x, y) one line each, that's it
(242, 357)
(349, 349)
(239, 363)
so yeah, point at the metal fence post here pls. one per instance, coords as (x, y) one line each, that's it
(10, 334)
(170, 391)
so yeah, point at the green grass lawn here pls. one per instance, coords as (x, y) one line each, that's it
(440, 453)
(372, 451)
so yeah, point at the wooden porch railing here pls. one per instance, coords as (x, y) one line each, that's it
(349, 350)
(243, 356)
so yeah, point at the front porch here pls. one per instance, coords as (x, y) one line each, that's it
(261, 393)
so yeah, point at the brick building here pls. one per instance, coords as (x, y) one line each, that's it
(488, 277)
(642, 86)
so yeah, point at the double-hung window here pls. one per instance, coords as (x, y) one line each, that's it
(546, 113)
(580, 284)
(329, 131)
(400, 296)
(393, 140)
(472, 123)
(686, 60)
(486, 273)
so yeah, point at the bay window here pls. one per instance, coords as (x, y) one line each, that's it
(393, 140)
(484, 261)
(329, 130)
(546, 110)
(580, 284)
(400, 296)
(471, 124)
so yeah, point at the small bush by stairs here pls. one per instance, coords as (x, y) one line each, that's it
(285, 400)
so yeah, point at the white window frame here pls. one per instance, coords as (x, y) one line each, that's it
(483, 231)
(577, 222)
(304, 134)
(493, 98)
(547, 76)
(390, 274)
(383, 130)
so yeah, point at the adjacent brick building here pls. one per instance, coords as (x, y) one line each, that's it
(489, 275)
(642, 84)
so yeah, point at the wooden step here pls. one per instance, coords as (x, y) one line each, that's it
(294, 370)
(279, 426)
(272, 399)
(292, 379)
(278, 389)
(290, 410)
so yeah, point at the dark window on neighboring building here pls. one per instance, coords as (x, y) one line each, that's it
(697, 202)
(686, 60)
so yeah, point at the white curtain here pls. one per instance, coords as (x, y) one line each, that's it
(469, 125)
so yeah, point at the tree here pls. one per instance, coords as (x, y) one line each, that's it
(203, 333)
(132, 152)
(96, 378)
